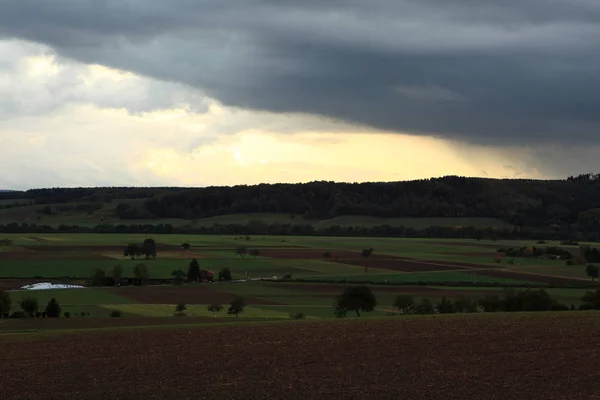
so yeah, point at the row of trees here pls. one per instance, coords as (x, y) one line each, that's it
(29, 307)
(236, 307)
(147, 248)
(361, 299)
(307, 229)
(141, 275)
(99, 277)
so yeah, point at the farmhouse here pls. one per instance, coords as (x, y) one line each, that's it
(206, 275)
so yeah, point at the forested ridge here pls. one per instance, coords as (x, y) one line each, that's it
(572, 203)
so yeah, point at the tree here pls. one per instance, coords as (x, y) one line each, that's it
(180, 308)
(178, 276)
(149, 248)
(53, 309)
(98, 277)
(366, 253)
(140, 272)
(241, 251)
(214, 308)
(591, 300)
(404, 303)
(463, 304)
(193, 271)
(236, 306)
(356, 298)
(491, 303)
(424, 307)
(185, 246)
(117, 274)
(5, 303)
(592, 271)
(132, 250)
(225, 274)
(445, 306)
(29, 305)
(254, 253)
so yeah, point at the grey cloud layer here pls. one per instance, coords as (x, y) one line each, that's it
(484, 71)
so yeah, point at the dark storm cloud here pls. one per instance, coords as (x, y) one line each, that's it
(479, 70)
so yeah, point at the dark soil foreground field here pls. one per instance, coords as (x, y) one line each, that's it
(540, 356)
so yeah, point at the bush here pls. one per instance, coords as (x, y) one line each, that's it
(67, 314)
(297, 315)
(115, 313)
(179, 309)
(287, 276)
(185, 246)
(570, 262)
(17, 314)
(541, 242)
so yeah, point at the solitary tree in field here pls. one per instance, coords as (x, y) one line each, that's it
(592, 271)
(29, 305)
(404, 303)
(53, 309)
(214, 308)
(236, 307)
(98, 277)
(5, 303)
(140, 272)
(356, 298)
(193, 271)
(149, 248)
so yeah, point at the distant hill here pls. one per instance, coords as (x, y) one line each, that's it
(568, 205)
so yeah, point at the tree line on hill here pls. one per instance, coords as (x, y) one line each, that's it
(572, 204)
(29, 307)
(359, 299)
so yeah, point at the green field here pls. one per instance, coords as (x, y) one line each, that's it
(37, 257)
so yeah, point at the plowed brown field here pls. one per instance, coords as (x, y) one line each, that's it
(555, 280)
(401, 265)
(461, 357)
(379, 261)
(201, 294)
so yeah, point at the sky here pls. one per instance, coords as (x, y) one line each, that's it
(197, 93)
